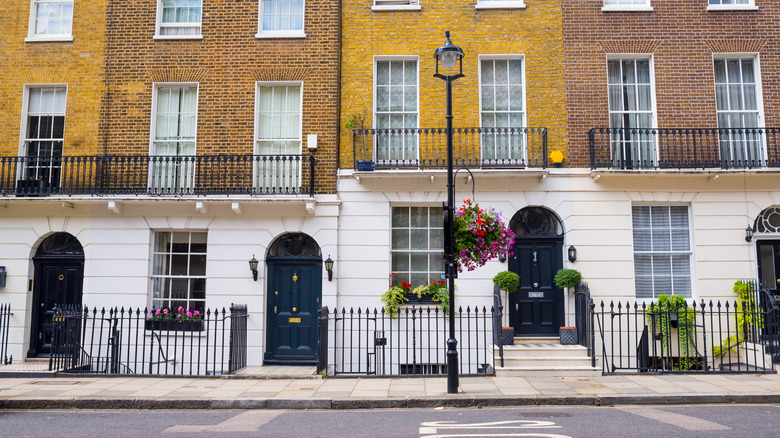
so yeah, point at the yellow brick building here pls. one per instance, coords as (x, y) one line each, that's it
(59, 48)
(533, 33)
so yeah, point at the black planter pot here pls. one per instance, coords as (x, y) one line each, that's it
(173, 325)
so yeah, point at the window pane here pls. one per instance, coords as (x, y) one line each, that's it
(661, 250)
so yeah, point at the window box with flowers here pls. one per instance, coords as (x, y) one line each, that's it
(403, 293)
(168, 320)
(480, 236)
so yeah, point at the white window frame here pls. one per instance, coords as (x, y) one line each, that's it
(625, 6)
(749, 6)
(256, 139)
(279, 33)
(153, 124)
(524, 124)
(33, 37)
(159, 25)
(154, 275)
(23, 152)
(759, 91)
(654, 113)
(691, 261)
(382, 58)
(432, 214)
(500, 4)
(396, 5)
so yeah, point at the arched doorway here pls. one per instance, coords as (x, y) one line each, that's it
(767, 236)
(536, 308)
(294, 292)
(58, 279)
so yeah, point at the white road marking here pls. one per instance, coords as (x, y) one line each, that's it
(429, 429)
(682, 421)
(249, 421)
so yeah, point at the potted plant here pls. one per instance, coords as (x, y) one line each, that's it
(480, 235)
(356, 121)
(395, 296)
(567, 278)
(508, 282)
(672, 312)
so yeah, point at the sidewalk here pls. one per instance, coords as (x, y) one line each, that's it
(250, 392)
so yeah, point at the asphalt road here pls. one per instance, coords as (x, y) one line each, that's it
(548, 422)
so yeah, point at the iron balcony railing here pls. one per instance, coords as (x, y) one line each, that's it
(413, 342)
(132, 342)
(157, 175)
(426, 148)
(684, 148)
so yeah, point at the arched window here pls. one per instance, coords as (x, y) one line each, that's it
(768, 221)
(295, 245)
(536, 222)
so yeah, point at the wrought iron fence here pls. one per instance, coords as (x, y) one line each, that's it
(684, 148)
(426, 148)
(5, 327)
(697, 337)
(158, 175)
(583, 314)
(414, 342)
(119, 341)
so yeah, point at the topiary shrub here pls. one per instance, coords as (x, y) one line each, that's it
(566, 278)
(507, 281)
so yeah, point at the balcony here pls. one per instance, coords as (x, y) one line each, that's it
(199, 175)
(426, 148)
(697, 148)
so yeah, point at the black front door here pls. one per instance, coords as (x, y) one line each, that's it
(769, 264)
(294, 293)
(536, 308)
(57, 281)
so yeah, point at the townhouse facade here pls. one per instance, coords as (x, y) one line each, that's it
(217, 146)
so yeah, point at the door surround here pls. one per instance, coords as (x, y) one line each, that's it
(58, 278)
(294, 312)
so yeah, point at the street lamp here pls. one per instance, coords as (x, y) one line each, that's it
(449, 55)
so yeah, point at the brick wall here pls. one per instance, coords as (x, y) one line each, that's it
(534, 32)
(78, 64)
(682, 38)
(226, 63)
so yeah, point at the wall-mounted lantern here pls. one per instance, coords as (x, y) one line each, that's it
(2, 276)
(329, 267)
(253, 266)
(748, 234)
(572, 252)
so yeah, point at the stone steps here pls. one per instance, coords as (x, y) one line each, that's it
(544, 357)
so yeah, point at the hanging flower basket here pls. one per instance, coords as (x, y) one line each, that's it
(480, 235)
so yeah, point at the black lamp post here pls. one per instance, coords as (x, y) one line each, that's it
(449, 55)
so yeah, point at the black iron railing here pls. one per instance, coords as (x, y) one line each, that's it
(498, 324)
(684, 148)
(158, 175)
(5, 327)
(370, 342)
(426, 148)
(696, 337)
(583, 314)
(119, 341)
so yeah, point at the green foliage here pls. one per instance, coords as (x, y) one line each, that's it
(566, 278)
(356, 121)
(746, 314)
(507, 281)
(393, 298)
(661, 314)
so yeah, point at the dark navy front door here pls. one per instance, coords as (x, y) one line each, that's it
(536, 308)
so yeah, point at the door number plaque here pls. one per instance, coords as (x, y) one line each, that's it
(292, 320)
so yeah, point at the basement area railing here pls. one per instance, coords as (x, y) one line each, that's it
(369, 342)
(133, 342)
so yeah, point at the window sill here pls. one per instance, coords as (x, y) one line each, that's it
(618, 8)
(178, 37)
(281, 34)
(717, 8)
(389, 8)
(49, 39)
(500, 5)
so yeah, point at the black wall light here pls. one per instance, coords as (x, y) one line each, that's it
(329, 267)
(2, 276)
(748, 234)
(572, 252)
(253, 266)
(502, 257)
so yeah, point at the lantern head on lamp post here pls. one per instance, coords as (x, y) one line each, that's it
(449, 55)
